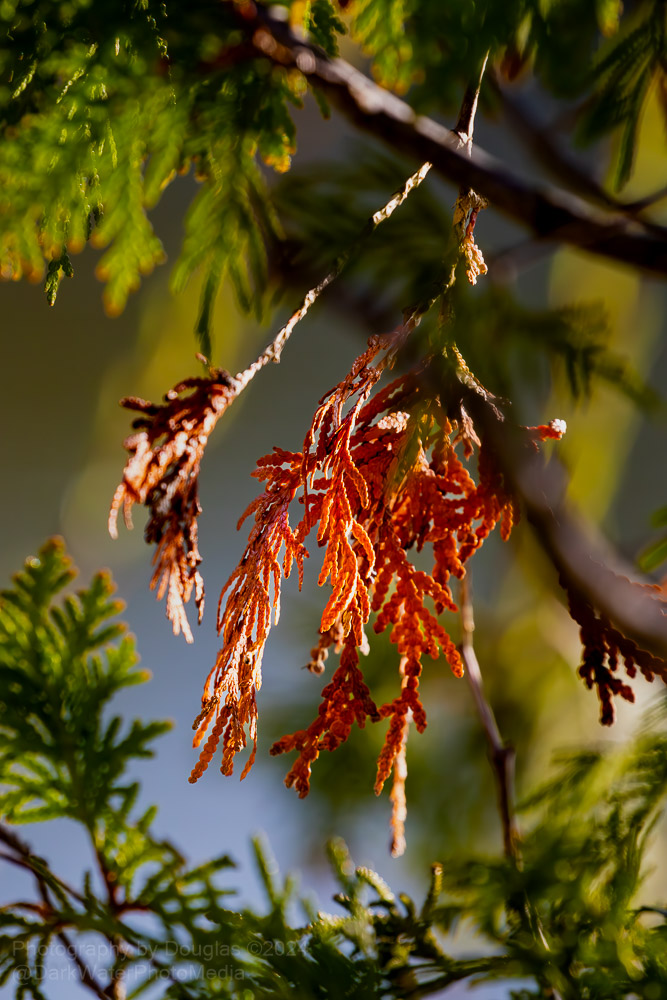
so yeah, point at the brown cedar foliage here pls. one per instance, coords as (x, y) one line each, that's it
(379, 475)
(162, 473)
(603, 647)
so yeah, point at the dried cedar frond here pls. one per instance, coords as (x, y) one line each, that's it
(162, 473)
(334, 636)
(253, 590)
(603, 649)
(466, 210)
(253, 595)
(379, 475)
(345, 700)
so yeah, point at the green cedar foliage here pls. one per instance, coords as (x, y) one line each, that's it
(627, 68)
(103, 103)
(60, 758)
(565, 918)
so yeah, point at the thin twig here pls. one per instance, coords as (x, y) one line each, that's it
(27, 860)
(86, 976)
(275, 348)
(465, 124)
(107, 877)
(501, 754)
(116, 989)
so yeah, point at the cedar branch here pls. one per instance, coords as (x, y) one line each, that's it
(501, 754)
(587, 565)
(541, 143)
(551, 213)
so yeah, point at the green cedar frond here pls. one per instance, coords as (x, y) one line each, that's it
(380, 29)
(101, 104)
(324, 25)
(608, 15)
(622, 78)
(100, 110)
(58, 267)
(417, 45)
(504, 340)
(654, 555)
(227, 229)
(62, 661)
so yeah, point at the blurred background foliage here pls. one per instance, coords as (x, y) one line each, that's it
(560, 919)
(561, 334)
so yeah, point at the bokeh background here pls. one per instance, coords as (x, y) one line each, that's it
(64, 370)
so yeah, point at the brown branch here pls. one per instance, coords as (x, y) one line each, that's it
(116, 988)
(540, 142)
(465, 123)
(107, 876)
(501, 754)
(86, 976)
(502, 757)
(647, 201)
(588, 567)
(551, 213)
(24, 858)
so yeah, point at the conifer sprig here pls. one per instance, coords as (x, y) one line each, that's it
(63, 757)
(102, 105)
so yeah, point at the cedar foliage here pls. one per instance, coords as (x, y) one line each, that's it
(566, 919)
(163, 475)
